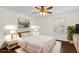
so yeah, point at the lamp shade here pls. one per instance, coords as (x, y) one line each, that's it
(10, 27)
(35, 29)
(35, 26)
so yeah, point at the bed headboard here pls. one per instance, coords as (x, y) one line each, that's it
(21, 32)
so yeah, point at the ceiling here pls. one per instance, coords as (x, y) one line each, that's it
(28, 10)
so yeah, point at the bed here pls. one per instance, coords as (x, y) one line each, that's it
(37, 43)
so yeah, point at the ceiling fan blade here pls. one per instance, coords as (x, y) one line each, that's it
(49, 8)
(35, 12)
(37, 8)
(49, 12)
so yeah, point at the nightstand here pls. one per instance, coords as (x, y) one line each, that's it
(12, 44)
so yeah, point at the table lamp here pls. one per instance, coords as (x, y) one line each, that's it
(35, 29)
(11, 32)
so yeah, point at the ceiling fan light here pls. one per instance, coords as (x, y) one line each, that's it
(42, 13)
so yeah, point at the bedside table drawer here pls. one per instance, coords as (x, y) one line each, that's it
(11, 45)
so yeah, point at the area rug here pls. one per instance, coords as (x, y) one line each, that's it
(20, 50)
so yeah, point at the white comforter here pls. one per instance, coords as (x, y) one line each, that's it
(38, 43)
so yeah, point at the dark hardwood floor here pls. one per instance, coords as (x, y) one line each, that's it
(5, 50)
(66, 47)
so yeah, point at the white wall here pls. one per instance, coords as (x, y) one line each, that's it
(10, 17)
(46, 23)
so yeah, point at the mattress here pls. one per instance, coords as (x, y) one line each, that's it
(37, 43)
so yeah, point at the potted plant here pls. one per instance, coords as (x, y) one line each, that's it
(70, 32)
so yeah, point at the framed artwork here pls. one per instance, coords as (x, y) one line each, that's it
(23, 23)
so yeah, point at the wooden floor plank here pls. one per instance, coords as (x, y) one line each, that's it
(67, 47)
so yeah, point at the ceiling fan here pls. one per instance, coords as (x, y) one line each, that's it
(43, 10)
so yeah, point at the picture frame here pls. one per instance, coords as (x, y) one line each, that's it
(23, 23)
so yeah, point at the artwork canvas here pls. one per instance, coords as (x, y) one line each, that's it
(23, 23)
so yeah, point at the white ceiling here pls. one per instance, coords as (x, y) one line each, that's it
(28, 10)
